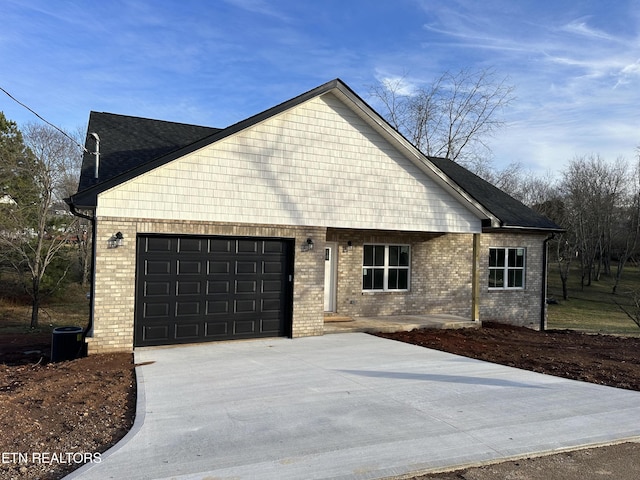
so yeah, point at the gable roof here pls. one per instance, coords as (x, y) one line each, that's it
(131, 146)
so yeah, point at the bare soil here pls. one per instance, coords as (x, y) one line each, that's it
(56, 416)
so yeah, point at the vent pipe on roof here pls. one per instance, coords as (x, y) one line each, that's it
(96, 153)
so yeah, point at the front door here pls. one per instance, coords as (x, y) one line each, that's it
(330, 268)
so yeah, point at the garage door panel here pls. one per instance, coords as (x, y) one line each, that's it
(187, 331)
(157, 244)
(269, 325)
(271, 286)
(154, 289)
(244, 306)
(156, 310)
(212, 288)
(247, 246)
(218, 267)
(270, 305)
(246, 268)
(184, 309)
(216, 329)
(188, 288)
(219, 307)
(269, 267)
(191, 245)
(189, 267)
(218, 245)
(244, 327)
(272, 247)
(157, 267)
(156, 333)
(218, 286)
(246, 286)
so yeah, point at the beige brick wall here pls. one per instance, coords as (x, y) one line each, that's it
(517, 307)
(441, 274)
(115, 271)
(441, 277)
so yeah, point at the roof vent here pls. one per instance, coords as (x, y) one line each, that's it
(96, 153)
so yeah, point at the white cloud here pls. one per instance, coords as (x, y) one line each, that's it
(580, 27)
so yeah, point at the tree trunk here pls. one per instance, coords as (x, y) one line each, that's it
(35, 303)
(565, 291)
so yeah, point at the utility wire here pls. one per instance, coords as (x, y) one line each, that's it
(45, 121)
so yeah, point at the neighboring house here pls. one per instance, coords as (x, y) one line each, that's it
(7, 200)
(316, 205)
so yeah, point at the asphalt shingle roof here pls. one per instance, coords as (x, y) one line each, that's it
(128, 142)
(510, 211)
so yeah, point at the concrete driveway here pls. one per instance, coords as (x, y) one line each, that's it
(347, 406)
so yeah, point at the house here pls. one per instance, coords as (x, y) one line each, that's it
(315, 205)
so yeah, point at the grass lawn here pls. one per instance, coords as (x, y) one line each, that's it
(68, 308)
(593, 309)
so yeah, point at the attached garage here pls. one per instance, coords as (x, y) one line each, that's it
(205, 288)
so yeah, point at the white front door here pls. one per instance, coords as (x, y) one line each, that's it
(330, 268)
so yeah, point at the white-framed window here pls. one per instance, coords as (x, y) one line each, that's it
(507, 267)
(386, 268)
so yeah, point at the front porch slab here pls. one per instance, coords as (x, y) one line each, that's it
(394, 323)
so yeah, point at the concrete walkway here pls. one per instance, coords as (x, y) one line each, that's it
(347, 406)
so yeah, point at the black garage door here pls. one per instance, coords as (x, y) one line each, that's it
(197, 289)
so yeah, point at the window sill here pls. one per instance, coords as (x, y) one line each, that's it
(378, 292)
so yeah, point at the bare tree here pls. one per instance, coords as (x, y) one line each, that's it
(627, 232)
(450, 117)
(81, 231)
(31, 235)
(592, 189)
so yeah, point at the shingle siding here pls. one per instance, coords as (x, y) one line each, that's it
(317, 164)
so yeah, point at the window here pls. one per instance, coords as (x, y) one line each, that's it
(506, 267)
(385, 267)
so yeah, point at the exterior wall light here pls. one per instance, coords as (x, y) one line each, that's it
(308, 245)
(348, 247)
(116, 240)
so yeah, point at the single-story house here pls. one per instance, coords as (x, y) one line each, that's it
(315, 205)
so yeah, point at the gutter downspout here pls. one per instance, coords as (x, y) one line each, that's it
(92, 218)
(543, 309)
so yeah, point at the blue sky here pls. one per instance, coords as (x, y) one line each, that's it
(575, 65)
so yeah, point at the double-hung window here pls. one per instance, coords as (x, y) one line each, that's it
(506, 268)
(385, 268)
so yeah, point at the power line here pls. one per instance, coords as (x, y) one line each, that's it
(45, 121)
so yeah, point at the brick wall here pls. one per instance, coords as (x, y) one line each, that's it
(517, 307)
(115, 272)
(441, 274)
